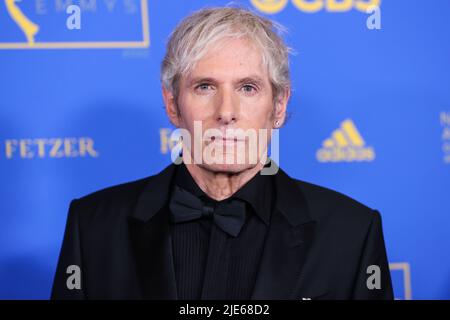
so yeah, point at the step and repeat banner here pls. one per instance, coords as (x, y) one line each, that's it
(81, 109)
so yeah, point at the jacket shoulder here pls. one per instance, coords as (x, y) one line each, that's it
(109, 200)
(326, 203)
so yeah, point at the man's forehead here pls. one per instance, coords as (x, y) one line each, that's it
(232, 48)
(229, 60)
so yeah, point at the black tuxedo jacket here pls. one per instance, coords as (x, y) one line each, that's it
(320, 245)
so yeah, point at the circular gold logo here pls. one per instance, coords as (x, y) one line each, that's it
(269, 6)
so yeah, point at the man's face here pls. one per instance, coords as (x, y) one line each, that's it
(228, 88)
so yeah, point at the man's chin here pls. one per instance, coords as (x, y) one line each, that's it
(228, 168)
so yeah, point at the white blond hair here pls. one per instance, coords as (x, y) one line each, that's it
(195, 34)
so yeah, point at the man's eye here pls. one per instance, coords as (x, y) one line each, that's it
(249, 88)
(203, 86)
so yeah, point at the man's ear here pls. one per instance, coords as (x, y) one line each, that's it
(281, 106)
(171, 107)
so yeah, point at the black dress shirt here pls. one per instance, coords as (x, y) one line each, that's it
(208, 262)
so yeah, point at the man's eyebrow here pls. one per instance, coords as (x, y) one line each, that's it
(253, 78)
(201, 79)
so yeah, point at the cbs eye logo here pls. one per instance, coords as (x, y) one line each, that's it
(312, 6)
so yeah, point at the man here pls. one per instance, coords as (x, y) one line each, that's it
(221, 225)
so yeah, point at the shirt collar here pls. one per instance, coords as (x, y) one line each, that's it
(258, 191)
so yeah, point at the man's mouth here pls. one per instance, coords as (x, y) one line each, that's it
(225, 139)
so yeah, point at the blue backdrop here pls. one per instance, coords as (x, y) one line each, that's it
(81, 109)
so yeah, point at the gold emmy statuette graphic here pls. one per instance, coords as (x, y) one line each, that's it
(26, 25)
(30, 29)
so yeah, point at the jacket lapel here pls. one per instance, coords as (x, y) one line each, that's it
(151, 241)
(288, 241)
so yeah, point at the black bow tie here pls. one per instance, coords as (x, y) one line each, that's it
(228, 215)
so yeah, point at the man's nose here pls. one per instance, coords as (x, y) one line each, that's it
(227, 107)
